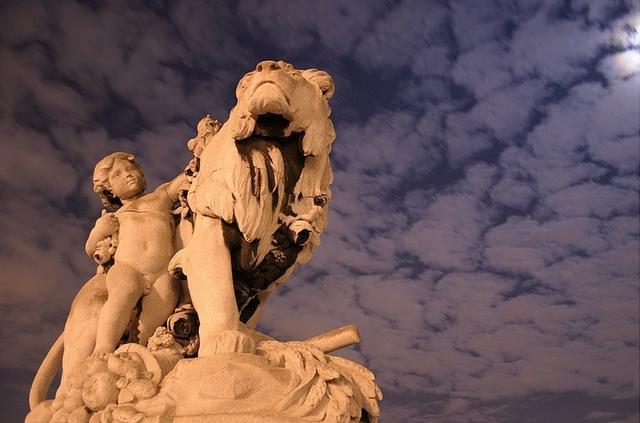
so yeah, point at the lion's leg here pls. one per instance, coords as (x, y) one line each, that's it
(158, 305)
(79, 344)
(207, 263)
(80, 327)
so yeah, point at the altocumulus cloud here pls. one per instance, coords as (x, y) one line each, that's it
(484, 228)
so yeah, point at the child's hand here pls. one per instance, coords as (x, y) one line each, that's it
(107, 224)
(192, 169)
(196, 145)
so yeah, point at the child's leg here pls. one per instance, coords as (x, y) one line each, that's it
(158, 305)
(125, 287)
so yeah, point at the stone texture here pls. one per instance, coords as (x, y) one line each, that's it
(195, 261)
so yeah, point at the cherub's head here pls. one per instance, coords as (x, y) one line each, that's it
(206, 129)
(208, 126)
(118, 175)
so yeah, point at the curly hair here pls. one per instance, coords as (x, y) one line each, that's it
(208, 126)
(101, 183)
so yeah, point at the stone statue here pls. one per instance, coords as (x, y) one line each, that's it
(256, 205)
(144, 224)
(135, 243)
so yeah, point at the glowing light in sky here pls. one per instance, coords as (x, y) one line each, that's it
(627, 36)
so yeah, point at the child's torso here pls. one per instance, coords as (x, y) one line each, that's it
(146, 232)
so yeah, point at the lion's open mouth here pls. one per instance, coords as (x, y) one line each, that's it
(271, 125)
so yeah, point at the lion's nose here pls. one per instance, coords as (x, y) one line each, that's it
(267, 65)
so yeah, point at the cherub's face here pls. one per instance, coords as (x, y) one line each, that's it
(125, 179)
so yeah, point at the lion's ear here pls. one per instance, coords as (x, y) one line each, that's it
(242, 84)
(322, 80)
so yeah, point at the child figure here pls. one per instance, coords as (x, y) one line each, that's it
(145, 229)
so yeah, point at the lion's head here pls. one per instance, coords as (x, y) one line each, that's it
(267, 168)
(276, 99)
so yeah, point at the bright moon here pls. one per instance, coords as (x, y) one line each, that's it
(627, 35)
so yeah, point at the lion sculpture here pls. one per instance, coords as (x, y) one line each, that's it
(259, 197)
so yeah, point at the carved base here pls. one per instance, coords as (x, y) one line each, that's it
(268, 382)
(282, 382)
(227, 388)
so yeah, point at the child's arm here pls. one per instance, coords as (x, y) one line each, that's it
(173, 187)
(105, 226)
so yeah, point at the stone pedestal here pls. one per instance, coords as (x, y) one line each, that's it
(245, 381)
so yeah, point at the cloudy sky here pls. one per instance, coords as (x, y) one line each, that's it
(484, 230)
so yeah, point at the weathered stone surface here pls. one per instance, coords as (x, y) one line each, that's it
(195, 260)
